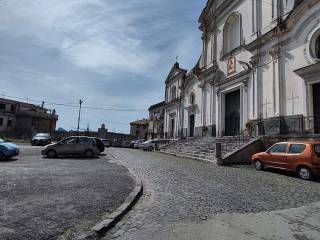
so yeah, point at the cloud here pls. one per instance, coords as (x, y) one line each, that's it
(114, 53)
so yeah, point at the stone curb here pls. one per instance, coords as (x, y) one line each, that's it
(100, 229)
(113, 218)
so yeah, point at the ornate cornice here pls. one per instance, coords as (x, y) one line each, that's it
(207, 75)
(275, 52)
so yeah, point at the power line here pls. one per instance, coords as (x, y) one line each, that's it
(73, 105)
(105, 120)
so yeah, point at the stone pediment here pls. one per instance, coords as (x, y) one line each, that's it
(191, 108)
(310, 72)
(189, 80)
(175, 72)
(210, 75)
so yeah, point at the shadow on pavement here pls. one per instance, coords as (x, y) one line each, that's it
(9, 160)
(275, 171)
(81, 158)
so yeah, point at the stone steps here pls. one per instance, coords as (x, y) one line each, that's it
(190, 153)
(202, 148)
(199, 149)
(192, 156)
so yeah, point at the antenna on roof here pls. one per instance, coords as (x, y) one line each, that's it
(177, 57)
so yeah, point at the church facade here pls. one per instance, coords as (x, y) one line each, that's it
(259, 71)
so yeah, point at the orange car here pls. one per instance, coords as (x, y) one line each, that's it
(300, 157)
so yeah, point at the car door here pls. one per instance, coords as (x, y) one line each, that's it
(83, 145)
(66, 147)
(276, 155)
(295, 155)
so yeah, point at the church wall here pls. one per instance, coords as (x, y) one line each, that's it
(269, 88)
(196, 109)
(173, 112)
(298, 55)
(241, 55)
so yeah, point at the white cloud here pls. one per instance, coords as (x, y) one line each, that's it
(115, 53)
(89, 33)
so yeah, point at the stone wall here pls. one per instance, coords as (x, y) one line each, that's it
(57, 136)
(243, 155)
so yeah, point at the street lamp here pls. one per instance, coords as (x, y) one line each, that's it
(80, 102)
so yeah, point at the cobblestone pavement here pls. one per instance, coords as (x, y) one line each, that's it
(182, 191)
(57, 198)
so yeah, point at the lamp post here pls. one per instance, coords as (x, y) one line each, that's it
(80, 102)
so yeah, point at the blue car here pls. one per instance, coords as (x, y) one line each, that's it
(8, 150)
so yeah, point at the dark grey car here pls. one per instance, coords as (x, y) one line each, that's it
(71, 146)
(41, 139)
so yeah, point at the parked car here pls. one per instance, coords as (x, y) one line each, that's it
(138, 143)
(106, 142)
(8, 150)
(132, 144)
(41, 139)
(126, 144)
(116, 143)
(300, 157)
(71, 146)
(149, 145)
(100, 145)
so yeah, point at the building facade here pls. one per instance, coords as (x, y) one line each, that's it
(258, 71)
(156, 121)
(139, 129)
(24, 119)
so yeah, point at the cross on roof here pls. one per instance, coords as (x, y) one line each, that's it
(292, 99)
(266, 104)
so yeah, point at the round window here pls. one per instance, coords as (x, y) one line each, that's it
(315, 45)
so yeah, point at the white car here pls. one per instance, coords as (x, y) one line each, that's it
(149, 145)
(138, 143)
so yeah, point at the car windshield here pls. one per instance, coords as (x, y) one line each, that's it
(43, 135)
(69, 140)
(1, 140)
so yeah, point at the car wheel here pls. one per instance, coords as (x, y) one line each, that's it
(305, 173)
(150, 149)
(89, 153)
(2, 156)
(51, 154)
(258, 165)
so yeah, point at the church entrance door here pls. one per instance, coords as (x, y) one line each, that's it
(316, 107)
(191, 124)
(172, 127)
(232, 113)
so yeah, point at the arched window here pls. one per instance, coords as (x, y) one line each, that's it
(173, 93)
(232, 33)
(192, 99)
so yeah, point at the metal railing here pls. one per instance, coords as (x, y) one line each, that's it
(312, 125)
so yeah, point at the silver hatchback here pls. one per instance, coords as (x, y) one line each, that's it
(71, 146)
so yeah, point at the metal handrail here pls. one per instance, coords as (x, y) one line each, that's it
(312, 122)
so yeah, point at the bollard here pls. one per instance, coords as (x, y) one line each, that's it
(218, 153)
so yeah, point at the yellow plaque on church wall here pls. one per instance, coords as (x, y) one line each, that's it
(231, 65)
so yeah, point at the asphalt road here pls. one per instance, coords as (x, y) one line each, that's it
(186, 199)
(58, 199)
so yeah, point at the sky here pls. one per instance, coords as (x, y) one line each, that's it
(110, 53)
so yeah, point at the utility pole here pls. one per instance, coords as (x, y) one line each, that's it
(80, 102)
